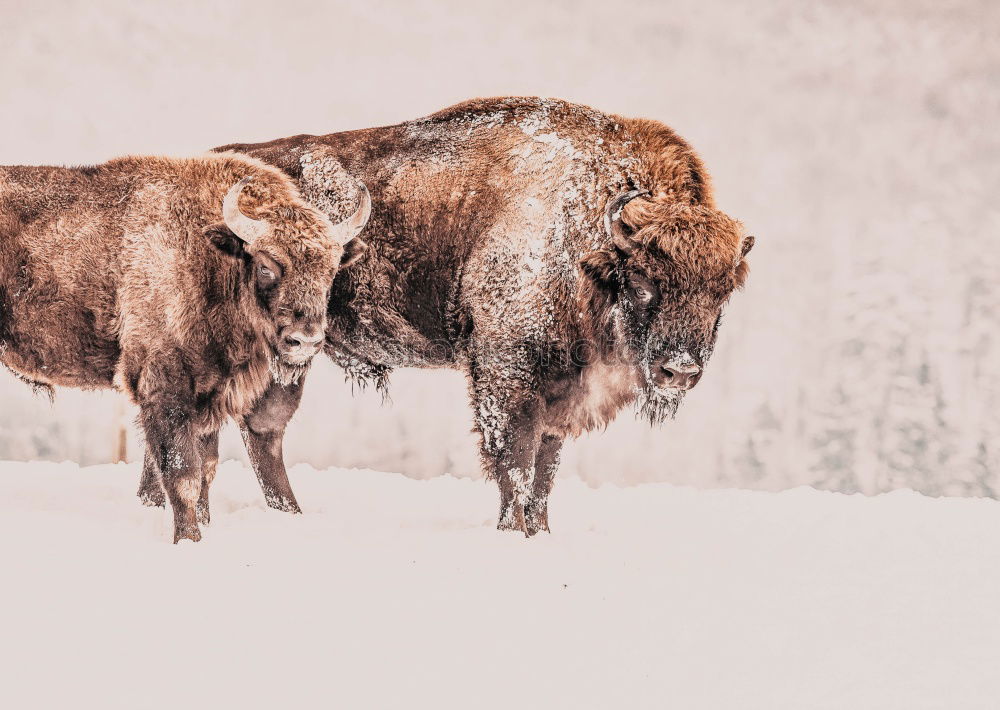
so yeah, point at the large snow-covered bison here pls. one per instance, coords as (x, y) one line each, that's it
(571, 262)
(191, 284)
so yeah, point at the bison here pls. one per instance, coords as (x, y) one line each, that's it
(193, 285)
(569, 261)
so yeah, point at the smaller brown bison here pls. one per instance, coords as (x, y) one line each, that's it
(191, 284)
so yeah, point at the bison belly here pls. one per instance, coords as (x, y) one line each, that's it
(55, 344)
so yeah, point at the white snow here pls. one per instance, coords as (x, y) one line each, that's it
(391, 592)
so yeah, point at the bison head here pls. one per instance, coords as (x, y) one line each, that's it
(290, 255)
(662, 284)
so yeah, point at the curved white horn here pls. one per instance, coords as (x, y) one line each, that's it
(613, 219)
(244, 227)
(350, 228)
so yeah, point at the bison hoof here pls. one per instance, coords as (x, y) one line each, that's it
(186, 532)
(535, 520)
(286, 505)
(502, 525)
(154, 499)
(532, 531)
(534, 528)
(513, 519)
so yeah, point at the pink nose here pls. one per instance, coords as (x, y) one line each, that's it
(681, 377)
(300, 342)
(678, 375)
(298, 339)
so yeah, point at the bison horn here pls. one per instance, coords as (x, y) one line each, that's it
(244, 227)
(350, 228)
(613, 220)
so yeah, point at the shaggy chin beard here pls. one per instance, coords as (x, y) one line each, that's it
(286, 373)
(657, 405)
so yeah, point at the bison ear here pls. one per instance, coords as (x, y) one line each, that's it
(353, 250)
(225, 240)
(600, 266)
(747, 246)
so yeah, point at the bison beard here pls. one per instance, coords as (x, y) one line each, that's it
(654, 404)
(490, 235)
(286, 373)
(657, 406)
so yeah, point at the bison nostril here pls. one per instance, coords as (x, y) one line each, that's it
(292, 342)
(680, 377)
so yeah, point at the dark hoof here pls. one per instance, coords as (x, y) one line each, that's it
(536, 521)
(186, 532)
(154, 499)
(535, 529)
(513, 519)
(286, 505)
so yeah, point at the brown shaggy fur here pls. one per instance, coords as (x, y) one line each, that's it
(124, 274)
(701, 242)
(488, 253)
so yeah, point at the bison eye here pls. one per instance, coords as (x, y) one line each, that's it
(644, 292)
(643, 295)
(266, 276)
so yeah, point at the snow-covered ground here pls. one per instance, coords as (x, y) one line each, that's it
(391, 592)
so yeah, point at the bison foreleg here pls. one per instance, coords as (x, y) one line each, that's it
(510, 445)
(151, 490)
(263, 433)
(536, 510)
(170, 438)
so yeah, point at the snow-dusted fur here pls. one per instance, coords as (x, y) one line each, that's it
(489, 253)
(125, 274)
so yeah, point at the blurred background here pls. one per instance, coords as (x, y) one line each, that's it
(857, 140)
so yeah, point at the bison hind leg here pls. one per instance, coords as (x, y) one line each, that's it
(208, 448)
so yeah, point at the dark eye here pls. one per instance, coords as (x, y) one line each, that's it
(644, 292)
(643, 295)
(266, 276)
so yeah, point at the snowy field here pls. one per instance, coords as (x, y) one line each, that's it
(391, 592)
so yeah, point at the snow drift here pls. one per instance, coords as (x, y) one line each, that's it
(390, 591)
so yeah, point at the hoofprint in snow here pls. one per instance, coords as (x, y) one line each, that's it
(390, 592)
